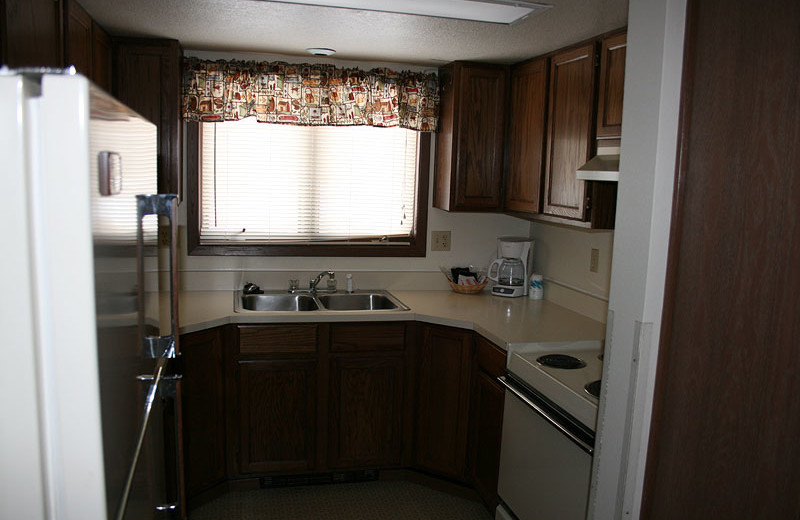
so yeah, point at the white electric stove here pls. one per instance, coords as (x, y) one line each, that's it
(548, 430)
(558, 381)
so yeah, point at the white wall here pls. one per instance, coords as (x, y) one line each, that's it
(562, 254)
(647, 172)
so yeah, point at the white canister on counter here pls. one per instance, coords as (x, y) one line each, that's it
(536, 287)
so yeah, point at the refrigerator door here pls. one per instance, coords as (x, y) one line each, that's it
(138, 393)
(57, 472)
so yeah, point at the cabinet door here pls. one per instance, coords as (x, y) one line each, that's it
(569, 135)
(366, 411)
(486, 419)
(526, 137)
(31, 33)
(443, 400)
(78, 43)
(277, 415)
(101, 57)
(612, 82)
(203, 412)
(147, 79)
(469, 162)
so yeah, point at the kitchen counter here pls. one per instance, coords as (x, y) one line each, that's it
(504, 321)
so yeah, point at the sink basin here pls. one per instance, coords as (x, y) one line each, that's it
(305, 302)
(279, 302)
(360, 302)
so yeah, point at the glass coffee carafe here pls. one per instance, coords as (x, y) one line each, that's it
(511, 272)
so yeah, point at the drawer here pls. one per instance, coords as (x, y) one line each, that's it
(277, 339)
(491, 358)
(368, 337)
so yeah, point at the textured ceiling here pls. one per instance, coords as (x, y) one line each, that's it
(258, 26)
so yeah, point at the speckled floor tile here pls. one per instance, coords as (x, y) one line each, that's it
(391, 500)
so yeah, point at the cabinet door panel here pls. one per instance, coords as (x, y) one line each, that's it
(31, 33)
(569, 141)
(444, 382)
(78, 49)
(469, 143)
(277, 415)
(481, 123)
(612, 83)
(203, 413)
(486, 420)
(147, 79)
(101, 57)
(526, 139)
(366, 403)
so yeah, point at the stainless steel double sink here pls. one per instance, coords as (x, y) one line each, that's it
(305, 302)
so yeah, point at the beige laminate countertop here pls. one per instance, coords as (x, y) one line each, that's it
(503, 321)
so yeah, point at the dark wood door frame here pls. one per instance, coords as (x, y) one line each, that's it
(725, 433)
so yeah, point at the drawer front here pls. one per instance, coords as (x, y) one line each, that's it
(277, 339)
(491, 358)
(368, 337)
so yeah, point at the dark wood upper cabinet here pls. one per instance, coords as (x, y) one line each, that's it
(569, 131)
(202, 399)
(31, 33)
(469, 144)
(79, 40)
(148, 79)
(526, 136)
(612, 83)
(102, 53)
(443, 400)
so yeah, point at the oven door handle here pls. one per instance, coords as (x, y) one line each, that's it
(546, 416)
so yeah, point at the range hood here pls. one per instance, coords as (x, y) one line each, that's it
(602, 167)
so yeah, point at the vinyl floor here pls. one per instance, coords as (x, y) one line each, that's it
(380, 500)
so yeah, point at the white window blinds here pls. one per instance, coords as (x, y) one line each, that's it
(270, 183)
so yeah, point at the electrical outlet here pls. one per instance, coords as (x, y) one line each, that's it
(594, 260)
(440, 241)
(163, 235)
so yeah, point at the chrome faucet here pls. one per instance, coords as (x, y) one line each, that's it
(312, 284)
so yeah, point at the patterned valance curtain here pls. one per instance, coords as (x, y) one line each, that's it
(308, 94)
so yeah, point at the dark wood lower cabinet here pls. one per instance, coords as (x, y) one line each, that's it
(277, 415)
(366, 418)
(267, 400)
(486, 421)
(203, 410)
(443, 400)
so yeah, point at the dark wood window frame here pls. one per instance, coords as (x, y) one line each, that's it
(416, 245)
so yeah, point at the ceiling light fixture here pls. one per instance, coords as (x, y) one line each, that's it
(320, 51)
(492, 11)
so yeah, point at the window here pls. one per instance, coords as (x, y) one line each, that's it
(266, 189)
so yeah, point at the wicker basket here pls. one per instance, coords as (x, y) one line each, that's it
(468, 289)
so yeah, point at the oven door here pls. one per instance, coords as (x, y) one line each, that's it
(545, 459)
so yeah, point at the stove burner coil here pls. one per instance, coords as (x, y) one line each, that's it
(593, 388)
(560, 361)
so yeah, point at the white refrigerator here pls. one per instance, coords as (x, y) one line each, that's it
(90, 393)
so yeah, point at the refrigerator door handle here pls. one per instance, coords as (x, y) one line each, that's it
(164, 205)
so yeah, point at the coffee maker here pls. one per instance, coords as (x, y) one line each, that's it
(512, 267)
